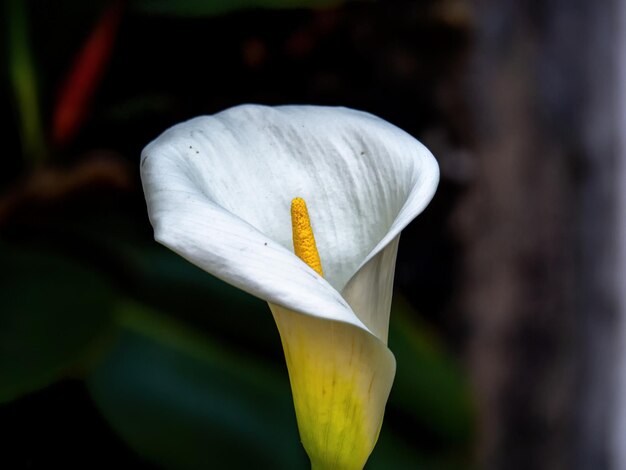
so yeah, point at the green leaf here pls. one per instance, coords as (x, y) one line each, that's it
(191, 8)
(24, 80)
(430, 387)
(52, 313)
(171, 284)
(187, 403)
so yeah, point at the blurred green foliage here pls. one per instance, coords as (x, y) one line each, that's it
(181, 400)
(23, 77)
(422, 368)
(54, 313)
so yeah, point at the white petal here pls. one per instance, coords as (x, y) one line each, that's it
(370, 290)
(219, 188)
(236, 252)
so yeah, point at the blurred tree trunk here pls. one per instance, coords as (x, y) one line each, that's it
(539, 271)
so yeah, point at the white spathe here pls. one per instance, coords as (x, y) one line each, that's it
(219, 189)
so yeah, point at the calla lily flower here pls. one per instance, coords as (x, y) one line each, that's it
(301, 206)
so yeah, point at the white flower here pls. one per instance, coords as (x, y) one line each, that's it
(219, 191)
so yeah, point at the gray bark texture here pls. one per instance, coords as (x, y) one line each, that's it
(538, 285)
